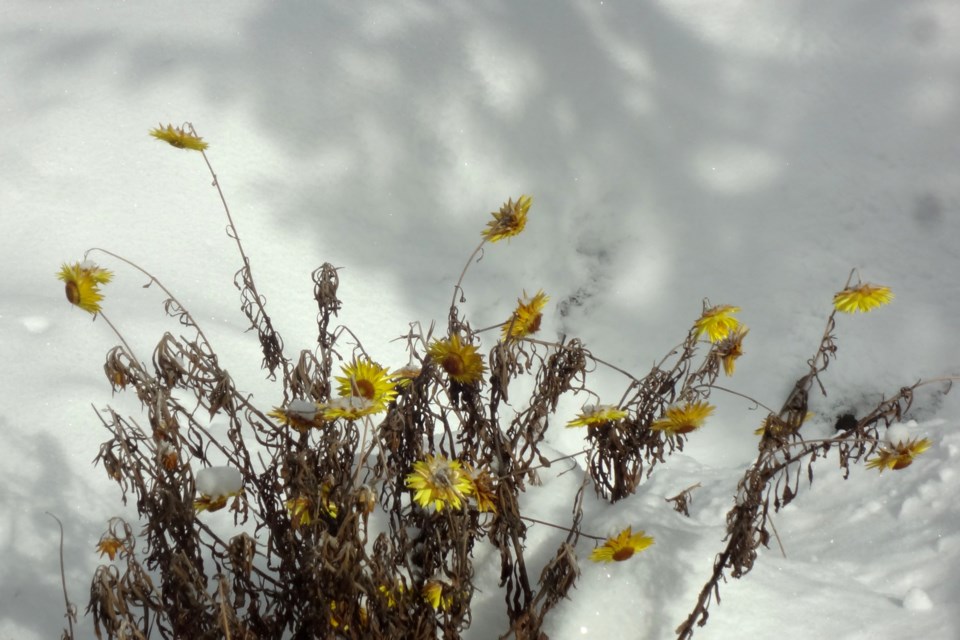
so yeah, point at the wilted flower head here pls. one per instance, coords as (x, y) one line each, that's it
(299, 414)
(483, 489)
(83, 280)
(433, 593)
(862, 298)
(461, 361)
(367, 380)
(731, 348)
(593, 415)
(216, 484)
(440, 482)
(350, 408)
(406, 374)
(621, 547)
(527, 316)
(898, 455)
(717, 322)
(109, 546)
(509, 221)
(179, 138)
(683, 419)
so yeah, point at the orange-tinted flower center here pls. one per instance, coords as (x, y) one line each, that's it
(453, 364)
(902, 463)
(623, 554)
(364, 388)
(684, 428)
(73, 292)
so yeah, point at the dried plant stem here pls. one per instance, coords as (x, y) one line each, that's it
(63, 579)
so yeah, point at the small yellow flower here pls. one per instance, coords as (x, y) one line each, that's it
(368, 380)
(109, 546)
(731, 348)
(683, 419)
(898, 456)
(350, 408)
(83, 280)
(179, 138)
(433, 593)
(299, 509)
(483, 489)
(301, 415)
(777, 427)
(717, 322)
(527, 316)
(621, 547)
(406, 374)
(509, 221)
(594, 415)
(391, 595)
(862, 298)
(440, 482)
(210, 503)
(460, 361)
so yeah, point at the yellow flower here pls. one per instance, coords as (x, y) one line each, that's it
(483, 489)
(593, 415)
(299, 414)
(299, 509)
(683, 419)
(731, 348)
(210, 503)
(509, 221)
(179, 138)
(367, 380)
(83, 280)
(110, 546)
(439, 481)
(862, 298)
(350, 408)
(460, 361)
(621, 547)
(527, 316)
(406, 374)
(433, 594)
(717, 322)
(898, 456)
(391, 595)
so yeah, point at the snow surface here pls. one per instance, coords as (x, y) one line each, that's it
(748, 152)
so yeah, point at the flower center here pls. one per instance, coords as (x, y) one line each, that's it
(365, 388)
(622, 554)
(73, 292)
(453, 364)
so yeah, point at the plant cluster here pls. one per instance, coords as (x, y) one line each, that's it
(362, 492)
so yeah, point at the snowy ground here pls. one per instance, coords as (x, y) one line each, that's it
(747, 152)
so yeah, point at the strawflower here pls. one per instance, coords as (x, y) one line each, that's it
(899, 455)
(83, 280)
(509, 221)
(368, 380)
(299, 414)
(440, 482)
(731, 348)
(593, 415)
(862, 298)
(483, 490)
(621, 547)
(433, 594)
(717, 322)
(350, 408)
(683, 419)
(110, 546)
(461, 361)
(527, 316)
(179, 138)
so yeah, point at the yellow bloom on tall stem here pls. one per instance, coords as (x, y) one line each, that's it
(862, 298)
(683, 419)
(527, 316)
(509, 221)
(898, 455)
(83, 280)
(440, 482)
(621, 547)
(717, 322)
(460, 361)
(368, 380)
(178, 137)
(594, 415)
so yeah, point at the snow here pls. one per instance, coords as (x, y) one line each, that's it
(749, 153)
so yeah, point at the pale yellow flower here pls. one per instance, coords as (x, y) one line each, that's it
(621, 547)
(509, 221)
(440, 482)
(717, 322)
(83, 280)
(683, 419)
(898, 455)
(593, 415)
(526, 318)
(862, 298)
(179, 138)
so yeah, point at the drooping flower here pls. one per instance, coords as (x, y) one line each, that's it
(167, 456)
(509, 221)
(898, 455)
(622, 546)
(594, 415)
(527, 316)
(303, 508)
(406, 374)
(109, 546)
(683, 419)
(368, 380)
(862, 298)
(717, 322)
(440, 482)
(461, 361)
(178, 137)
(83, 280)
(350, 408)
(731, 348)
(433, 593)
(298, 414)
(776, 427)
(215, 485)
(483, 490)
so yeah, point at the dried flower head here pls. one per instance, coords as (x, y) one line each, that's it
(527, 316)
(717, 322)
(433, 593)
(178, 137)
(862, 298)
(440, 482)
(109, 546)
(461, 361)
(898, 455)
(406, 374)
(509, 221)
(594, 415)
(83, 280)
(368, 380)
(683, 419)
(731, 348)
(350, 408)
(621, 547)
(298, 414)
(483, 489)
